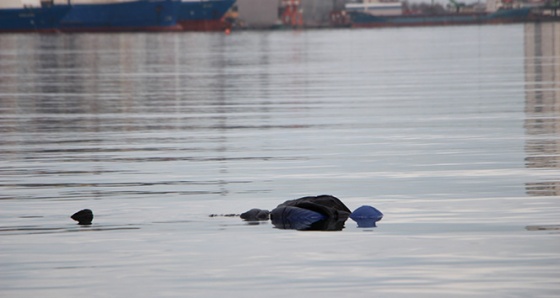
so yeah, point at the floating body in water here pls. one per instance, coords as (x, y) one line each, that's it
(319, 213)
(324, 213)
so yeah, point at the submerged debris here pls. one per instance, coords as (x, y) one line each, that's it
(224, 215)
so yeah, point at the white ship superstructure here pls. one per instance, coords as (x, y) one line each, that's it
(376, 7)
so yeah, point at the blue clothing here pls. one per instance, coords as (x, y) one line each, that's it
(366, 216)
(324, 213)
(290, 217)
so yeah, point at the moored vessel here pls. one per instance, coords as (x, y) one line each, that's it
(391, 13)
(203, 15)
(44, 16)
(121, 16)
(361, 19)
(112, 15)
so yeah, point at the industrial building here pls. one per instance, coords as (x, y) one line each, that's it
(274, 13)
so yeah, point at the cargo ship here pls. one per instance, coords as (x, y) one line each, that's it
(203, 15)
(112, 15)
(121, 16)
(389, 13)
(361, 19)
(45, 17)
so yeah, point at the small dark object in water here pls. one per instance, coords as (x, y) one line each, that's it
(83, 217)
(255, 215)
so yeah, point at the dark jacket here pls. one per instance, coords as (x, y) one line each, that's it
(324, 212)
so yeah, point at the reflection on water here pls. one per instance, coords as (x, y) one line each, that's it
(451, 132)
(542, 123)
(29, 230)
(93, 99)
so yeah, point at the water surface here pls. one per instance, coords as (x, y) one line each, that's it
(453, 133)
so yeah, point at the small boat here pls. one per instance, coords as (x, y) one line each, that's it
(121, 16)
(203, 15)
(15, 17)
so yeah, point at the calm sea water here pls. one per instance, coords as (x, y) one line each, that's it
(453, 133)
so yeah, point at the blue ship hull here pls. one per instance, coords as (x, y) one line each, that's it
(138, 15)
(204, 15)
(38, 19)
(362, 19)
(141, 15)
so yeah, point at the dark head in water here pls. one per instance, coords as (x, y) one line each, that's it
(83, 217)
(322, 213)
(255, 215)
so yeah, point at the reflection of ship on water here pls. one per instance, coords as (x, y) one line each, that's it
(542, 109)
